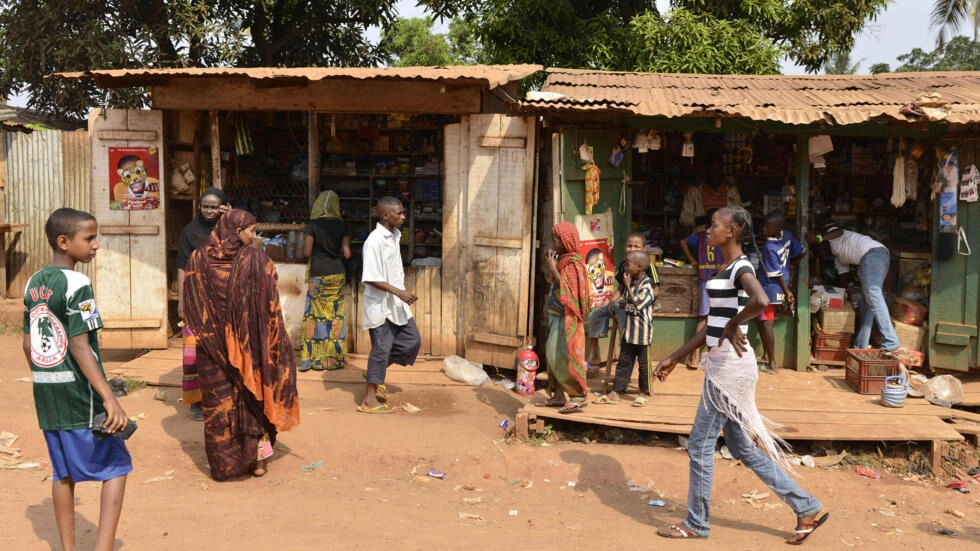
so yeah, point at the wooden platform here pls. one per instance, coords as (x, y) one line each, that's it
(810, 406)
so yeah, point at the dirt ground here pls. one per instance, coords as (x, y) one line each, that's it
(345, 480)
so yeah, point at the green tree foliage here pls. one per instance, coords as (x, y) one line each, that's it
(716, 36)
(840, 64)
(412, 42)
(46, 36)
(879, 68)
(948, 15)
(959, 54)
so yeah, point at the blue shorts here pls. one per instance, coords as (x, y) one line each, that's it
(78, 455)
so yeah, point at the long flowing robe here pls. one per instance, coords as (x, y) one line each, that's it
(245, 356)
(566, 346)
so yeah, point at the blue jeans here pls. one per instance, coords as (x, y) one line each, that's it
(598, 320)
(872, 270)
(708, 422)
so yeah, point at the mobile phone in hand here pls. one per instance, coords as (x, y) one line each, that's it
(101, 434)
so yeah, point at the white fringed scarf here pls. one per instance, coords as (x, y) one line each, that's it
(735, 378)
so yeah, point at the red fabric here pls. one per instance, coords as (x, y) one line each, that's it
(574, 296)
(714, 198)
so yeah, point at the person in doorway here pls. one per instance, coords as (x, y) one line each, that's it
(780, 248)
(70, 388)
(244, 355)
(709, 261)
(705, 195)
(873, 260)
(387, 305)
(327, 245)
(567, 306)
(213, 204)
(728, 393)
(637, 332)
(597, 324)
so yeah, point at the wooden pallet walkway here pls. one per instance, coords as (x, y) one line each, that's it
(809, 406)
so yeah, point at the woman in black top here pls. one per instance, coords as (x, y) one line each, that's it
(324, 331)
(213, 204)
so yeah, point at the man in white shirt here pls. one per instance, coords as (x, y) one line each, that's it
(387, 314)
(872, 259)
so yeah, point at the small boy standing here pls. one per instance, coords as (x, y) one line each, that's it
(70, 388)
(780, 248)
(709, 261)
(387, 311)
(638, 294)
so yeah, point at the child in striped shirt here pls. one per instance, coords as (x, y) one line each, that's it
(638, 331)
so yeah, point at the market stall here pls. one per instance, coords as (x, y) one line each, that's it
(864, 152)
(437, 138)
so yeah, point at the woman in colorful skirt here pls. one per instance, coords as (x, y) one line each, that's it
(567, 305)
(324, 330)
(245, 357)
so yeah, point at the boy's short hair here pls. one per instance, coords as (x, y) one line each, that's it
(64, 221)
(639, 234)
(640, 258)
(388, 202)
(776, 216)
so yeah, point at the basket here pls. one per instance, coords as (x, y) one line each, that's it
(832, 340)
(829, 353)
(867, 369)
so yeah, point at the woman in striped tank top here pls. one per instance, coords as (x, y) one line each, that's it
(727, 403)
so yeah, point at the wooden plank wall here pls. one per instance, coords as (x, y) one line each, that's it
(426, 283)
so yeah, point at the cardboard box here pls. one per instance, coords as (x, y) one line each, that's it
(837, 320)
(911, 336)
(833, 297)
(908, 311)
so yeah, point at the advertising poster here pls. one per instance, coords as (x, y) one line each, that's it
(134, 178)
(949, 178)
(599, 269)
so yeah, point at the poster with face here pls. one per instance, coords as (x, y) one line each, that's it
(598, 269)
(134, 178)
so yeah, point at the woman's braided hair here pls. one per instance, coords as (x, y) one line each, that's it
(742, 219)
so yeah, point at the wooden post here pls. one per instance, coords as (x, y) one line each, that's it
(215, 127)
(3, 180)
(803, 276)
(521, 425)
(313, 149)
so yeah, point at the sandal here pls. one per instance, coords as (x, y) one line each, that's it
(677, 531)
(381, 392)
(640, 401)
(804, 529)
(572, 407)
(605, 399)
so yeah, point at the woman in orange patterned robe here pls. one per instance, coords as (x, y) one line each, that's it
(245, 357)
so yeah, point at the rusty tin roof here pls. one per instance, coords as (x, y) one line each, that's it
(491, 76)
(789, 99)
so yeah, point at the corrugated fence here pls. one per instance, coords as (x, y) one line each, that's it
(45, 170)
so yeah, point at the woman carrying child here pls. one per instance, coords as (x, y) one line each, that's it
(728, 395)
(567, 306)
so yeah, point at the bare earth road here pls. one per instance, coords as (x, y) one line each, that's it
(372, 492)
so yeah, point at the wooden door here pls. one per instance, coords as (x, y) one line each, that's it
(488, 239)
(130, 275)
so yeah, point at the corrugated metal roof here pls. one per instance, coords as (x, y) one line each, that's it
(789, 99)
(20, 119)
(490, 75)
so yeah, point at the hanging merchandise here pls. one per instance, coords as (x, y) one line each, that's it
(687, 150)
(653, 140)
(592, 173)
(898, 182)
(243, 138)
(911, 179)
(968, 185)
(962, 244)
(946, 185)
(618, 153)
(640, 142)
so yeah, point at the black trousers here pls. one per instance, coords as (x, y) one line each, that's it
(629, 353)
(391, 343)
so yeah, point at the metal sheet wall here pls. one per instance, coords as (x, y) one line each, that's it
(45, 170)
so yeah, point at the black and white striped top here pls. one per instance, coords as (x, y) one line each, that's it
(726, 298)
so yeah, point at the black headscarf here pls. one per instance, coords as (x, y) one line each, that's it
(197, 232)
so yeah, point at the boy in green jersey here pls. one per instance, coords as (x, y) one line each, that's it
(70, 388)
